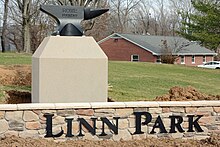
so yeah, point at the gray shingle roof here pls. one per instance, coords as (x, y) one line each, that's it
(154, 44)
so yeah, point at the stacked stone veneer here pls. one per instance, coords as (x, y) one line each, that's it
(27, 120)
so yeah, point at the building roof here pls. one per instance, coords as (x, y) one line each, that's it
(154, 44)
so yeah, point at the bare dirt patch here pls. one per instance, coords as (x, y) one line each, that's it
(19, 75)
(185, 94)
(13, 141)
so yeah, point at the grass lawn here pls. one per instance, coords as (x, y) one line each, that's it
(14, 58)
(141, 81)
(145, 81)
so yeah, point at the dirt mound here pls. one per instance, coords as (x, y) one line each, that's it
(213, 141)
(19, 75)
(185, 94)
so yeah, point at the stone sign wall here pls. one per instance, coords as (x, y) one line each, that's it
(111, 120)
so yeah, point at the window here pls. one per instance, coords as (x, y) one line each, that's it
(204, 59)
(182, 59)
(193, 59)
(158, 59)
(134, 58)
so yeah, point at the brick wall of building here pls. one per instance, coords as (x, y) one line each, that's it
(198, 60)
(122, 50)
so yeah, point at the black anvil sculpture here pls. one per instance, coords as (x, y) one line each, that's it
(70, 17)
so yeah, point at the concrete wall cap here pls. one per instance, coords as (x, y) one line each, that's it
(205, 103)
(44, 106)
(141, 104)
(147, 104)
(108, 105)
(174, 103)
(72, 105)
(8, 107)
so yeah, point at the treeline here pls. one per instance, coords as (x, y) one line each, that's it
(25, 26)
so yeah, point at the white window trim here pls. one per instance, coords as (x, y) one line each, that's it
(184, 58)
(194, 59)
(205, 59)
(132, 57)
(158, 60)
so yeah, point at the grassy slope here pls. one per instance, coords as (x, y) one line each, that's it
(142, 81)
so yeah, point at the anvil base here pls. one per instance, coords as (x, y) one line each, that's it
(69, 69)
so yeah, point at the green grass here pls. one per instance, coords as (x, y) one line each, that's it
(9, 58)
(145, 81)
(140, 81)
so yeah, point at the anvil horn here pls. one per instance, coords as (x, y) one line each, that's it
(92, 13)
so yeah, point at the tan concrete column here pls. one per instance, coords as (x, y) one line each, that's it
(69, 69)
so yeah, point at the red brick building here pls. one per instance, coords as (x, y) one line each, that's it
(145, 48)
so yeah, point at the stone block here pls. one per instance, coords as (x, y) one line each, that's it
(4, 126)
(2, 114)
(155, 110)
(33, 125)
(205, 109)
(30, 116)
(201, 137)
(89, 136)
(131, 122)
(166, 109)
(166, 115)
(177, 135)
(13, 115)
(138, 109)
(139, 136)
(16, 126)
(177, 109)
(66, 112)
(207, 120)
(122, 135)
(216, 109)
(29, 133)
(110, 111)
(124, 112)
(190, 109)
(11, 133)
(58, 120)
(123, 123)
(86, 112)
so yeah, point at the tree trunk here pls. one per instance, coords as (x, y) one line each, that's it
(26, 38)
(4, 28)
(26, 26)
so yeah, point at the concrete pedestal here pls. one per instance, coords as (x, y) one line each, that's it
(69, 69)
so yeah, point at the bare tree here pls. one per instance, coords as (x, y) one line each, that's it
(122, 10)
(22, 15)
(141, 18)
(4, 28)
(181, 10)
